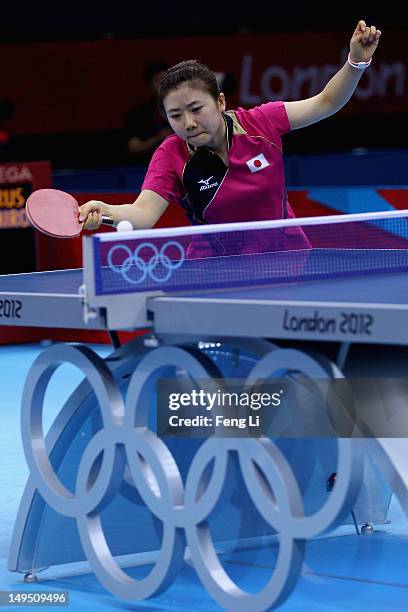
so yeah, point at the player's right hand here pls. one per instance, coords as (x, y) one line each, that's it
(91, 213)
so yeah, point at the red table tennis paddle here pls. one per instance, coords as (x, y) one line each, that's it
(56, 213)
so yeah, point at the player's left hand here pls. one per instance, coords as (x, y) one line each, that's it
(364, 42)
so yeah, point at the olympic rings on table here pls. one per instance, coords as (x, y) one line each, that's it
(146, 269)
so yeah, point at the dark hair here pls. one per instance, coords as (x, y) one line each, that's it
(188, 71)
(154, 68)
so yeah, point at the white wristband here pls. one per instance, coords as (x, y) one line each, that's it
(359, 65)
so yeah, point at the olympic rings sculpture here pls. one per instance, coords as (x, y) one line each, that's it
(183, 509)
(135, 262)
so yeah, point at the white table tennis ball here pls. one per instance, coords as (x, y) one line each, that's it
(124, 226)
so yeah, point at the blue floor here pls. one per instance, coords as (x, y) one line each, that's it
(343, 571)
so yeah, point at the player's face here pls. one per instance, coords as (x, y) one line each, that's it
(195, 116)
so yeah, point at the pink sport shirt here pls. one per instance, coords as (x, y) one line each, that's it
(251, 188)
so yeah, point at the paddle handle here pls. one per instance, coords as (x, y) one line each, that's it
(107, 220)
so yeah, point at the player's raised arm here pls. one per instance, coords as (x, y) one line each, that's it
(142, 214)
(342, 85)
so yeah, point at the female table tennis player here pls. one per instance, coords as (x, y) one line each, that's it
(226, 166)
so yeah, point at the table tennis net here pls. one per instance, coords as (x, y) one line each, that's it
(250, 254)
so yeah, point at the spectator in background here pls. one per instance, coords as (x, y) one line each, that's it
(145, 126)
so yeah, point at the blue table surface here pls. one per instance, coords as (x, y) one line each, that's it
(376, 288)
(61, 282)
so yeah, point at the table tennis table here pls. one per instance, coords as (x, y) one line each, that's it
(334, 294)
(373, 309)
(350, 291)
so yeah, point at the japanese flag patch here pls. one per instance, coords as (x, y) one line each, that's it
(257, 163)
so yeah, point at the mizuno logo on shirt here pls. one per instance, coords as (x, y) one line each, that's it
(206, 184)
(257, 163)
